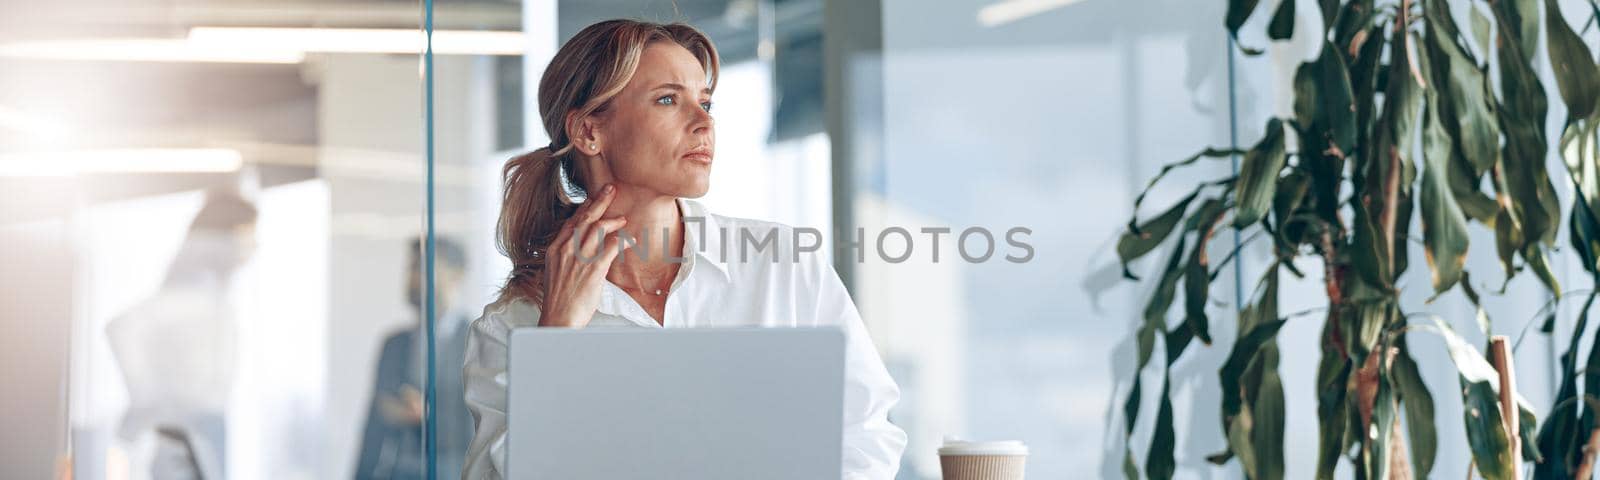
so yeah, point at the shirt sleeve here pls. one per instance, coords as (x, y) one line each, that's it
(386, 383)
(484, 374)
(872, 445)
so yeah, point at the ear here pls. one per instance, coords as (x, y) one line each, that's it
(583, 132)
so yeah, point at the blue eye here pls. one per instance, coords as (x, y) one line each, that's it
(666, 100)
(705, 106)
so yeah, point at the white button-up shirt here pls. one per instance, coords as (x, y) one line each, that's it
(717, 286)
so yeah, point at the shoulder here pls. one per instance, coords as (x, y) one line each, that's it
(502, 316)
(398, 341)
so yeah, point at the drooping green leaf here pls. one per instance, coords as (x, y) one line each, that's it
(1591, 387)
(1239, 442)
(1403, 101)
(1355, 17)
(1282, 26)
(1465, 187)
(1178, 341)
(1197, 275)
(1166, 288)
(1324, 105)
(1486, 432)
(1253, 411)
(1330, 12)
(1366, 314)
(1421, 435)
(1244, 350)
(1559, 437)
(1584, 234)
(1291, 192)
(1364, 73)
(1444, 226)
(1141, 239)
(1160, 463)
(1130, 408)
(1481, 316)
(1238, 12)
(1577, 76)
(1168, 168)
(1258, 176)
(1519, 22)
(1507, 239)
(1332, 372)
(1130, 417)
(1523, 107)
(1368, 252)
(1379, 431)
(1461, 88)
(1529, 434)
(1581, 151)
(1480, 29)
(1535, 256)
(1441, 24)
(1130, 471)
(1267, 431)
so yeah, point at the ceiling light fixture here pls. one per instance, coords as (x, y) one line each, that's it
(122, 160)
(363, 40)
(1008, 11)
(270, 45)
(146, 50)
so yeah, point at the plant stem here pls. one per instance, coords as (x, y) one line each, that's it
(1391, 200)
(1399, 461)
(1586, 467)
(1500, 356)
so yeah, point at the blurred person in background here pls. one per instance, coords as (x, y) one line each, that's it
(391, 445)
(176, 349)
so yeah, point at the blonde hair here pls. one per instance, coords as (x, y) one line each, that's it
(586, 73)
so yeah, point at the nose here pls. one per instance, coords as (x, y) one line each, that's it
(703, 122)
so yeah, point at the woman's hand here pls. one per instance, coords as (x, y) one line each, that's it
(577, 263)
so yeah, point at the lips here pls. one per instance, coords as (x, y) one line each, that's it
(700, 154)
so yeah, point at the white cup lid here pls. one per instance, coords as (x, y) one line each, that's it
(956, 446)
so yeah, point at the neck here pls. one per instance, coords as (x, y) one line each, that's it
(654, 222)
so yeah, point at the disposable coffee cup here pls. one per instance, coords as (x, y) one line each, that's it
(967, 460)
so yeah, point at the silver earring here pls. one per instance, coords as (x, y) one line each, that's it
(591, 146)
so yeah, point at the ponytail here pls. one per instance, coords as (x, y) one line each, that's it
(536, 203)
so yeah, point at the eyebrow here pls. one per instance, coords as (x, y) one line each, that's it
(680, 87)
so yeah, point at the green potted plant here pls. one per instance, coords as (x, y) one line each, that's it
(1405, 113)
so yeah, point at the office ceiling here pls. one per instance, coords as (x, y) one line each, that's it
(209, 104)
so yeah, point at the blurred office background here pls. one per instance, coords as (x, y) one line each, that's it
(243, 183)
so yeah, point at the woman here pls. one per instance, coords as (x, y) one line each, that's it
(627, 105)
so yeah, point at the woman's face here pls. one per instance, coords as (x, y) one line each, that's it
(657, 134)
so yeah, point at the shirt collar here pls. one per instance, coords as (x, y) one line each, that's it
(702, 245)
(703, 237)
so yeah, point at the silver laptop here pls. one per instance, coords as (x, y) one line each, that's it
(701, 403)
